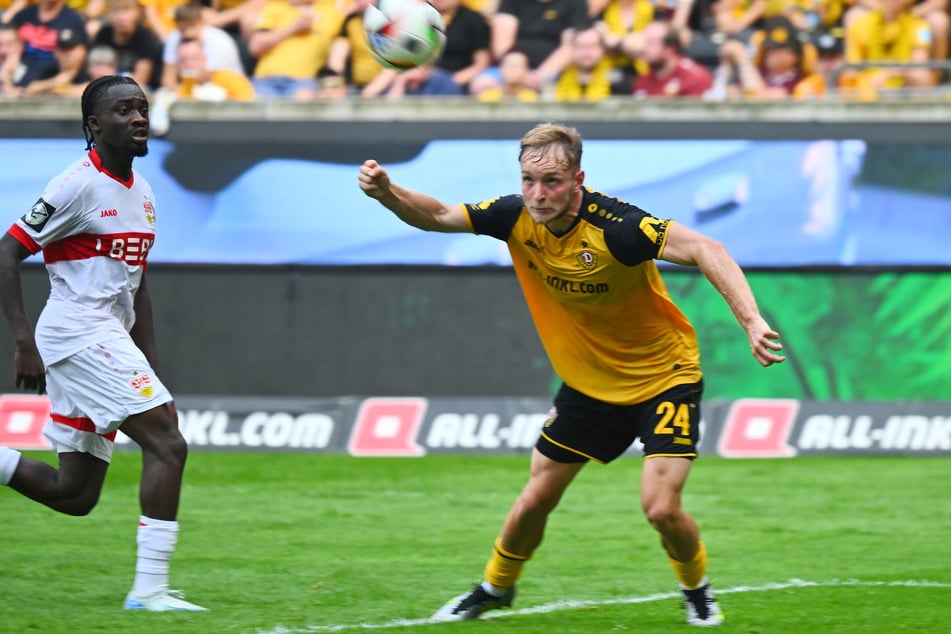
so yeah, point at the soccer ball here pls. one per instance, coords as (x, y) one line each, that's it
(403, 34)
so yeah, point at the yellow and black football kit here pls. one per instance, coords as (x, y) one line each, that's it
(603, 314)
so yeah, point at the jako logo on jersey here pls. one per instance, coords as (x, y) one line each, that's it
(388, 427)
(149, 212)
(38, 215)
(142, 383)
(108, 213)
(759, 428)
(588, 259)
(22, 419)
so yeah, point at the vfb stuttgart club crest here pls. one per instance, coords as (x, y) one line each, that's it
(149, 212)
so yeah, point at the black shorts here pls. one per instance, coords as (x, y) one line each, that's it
(582, 428)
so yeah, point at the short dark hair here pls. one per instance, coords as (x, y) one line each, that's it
(188, 12)
(673, 39)
(91, 96)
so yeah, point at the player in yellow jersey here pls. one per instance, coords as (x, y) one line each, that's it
(627, 355)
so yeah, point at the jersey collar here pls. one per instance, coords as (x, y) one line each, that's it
(97, 161)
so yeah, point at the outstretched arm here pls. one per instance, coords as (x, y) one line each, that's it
(688, 247)
(412, 207)
(27, 364)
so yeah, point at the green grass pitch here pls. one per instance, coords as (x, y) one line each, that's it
(283, 543)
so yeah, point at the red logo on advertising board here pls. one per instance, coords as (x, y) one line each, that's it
(21, 421)
(388, 427)
(759, 428)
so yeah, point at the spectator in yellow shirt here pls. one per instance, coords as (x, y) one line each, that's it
(196, 81)
(160, 15)
(889, 34)
(291, 43)
(830, 52)
(934, 12)
(350, 66)
(621, 24)
(589, 75)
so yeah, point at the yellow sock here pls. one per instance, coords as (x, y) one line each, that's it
(504, 568)
(691, 573)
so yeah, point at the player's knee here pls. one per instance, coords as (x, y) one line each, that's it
(173, 449)
(79, 502)
(537, 502)
(157, 434)
(167, 447)
(662, 514)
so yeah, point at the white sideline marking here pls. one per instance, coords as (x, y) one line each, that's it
(559, 606)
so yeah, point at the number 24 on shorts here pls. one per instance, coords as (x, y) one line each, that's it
(673, 415)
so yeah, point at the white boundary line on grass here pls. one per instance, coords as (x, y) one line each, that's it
(559, 606)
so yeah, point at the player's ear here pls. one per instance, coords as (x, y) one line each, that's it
(579, 179)
(92, 122)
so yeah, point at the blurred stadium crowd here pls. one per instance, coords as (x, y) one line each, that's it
(497, 50)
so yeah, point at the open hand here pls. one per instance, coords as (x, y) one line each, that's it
(764, 343)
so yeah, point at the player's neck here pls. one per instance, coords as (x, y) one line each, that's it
(565, 222)
(118, 166)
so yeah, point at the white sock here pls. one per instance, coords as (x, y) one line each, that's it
(703, 582)
(495, 592)
(156, 541)
(9, 459)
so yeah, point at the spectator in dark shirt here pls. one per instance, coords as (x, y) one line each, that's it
(70, 55)
(467, 42)
(39, 26)
(465, 56)
(138, 50)
(542, 29)
(12, 69)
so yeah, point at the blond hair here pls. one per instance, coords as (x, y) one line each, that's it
(546, 137)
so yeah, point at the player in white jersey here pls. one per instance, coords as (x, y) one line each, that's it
(93, 350)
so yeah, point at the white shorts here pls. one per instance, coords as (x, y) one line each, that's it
(93, 391)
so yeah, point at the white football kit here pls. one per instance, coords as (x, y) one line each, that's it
(95, 232)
